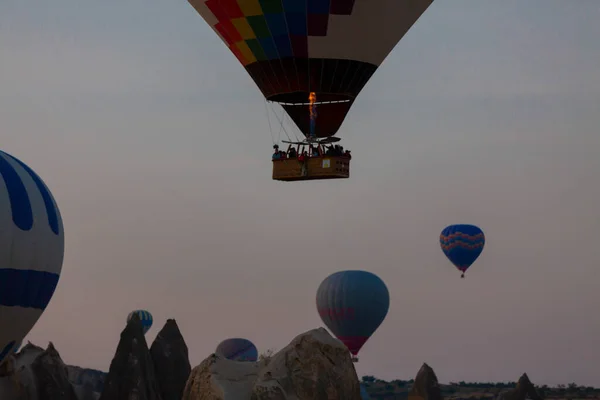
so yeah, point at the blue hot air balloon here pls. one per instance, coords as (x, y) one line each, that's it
(237, 349)
(353, 304)
(462, 244)
(32, 247)
(145, 317)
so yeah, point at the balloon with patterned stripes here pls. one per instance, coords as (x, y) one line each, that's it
(144, 316)
(31, 250)
(462, 244)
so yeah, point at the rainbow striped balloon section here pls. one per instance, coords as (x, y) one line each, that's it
(291, 48)
(31, 250)
(462, 244)
(145, 317)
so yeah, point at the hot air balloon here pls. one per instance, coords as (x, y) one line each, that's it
(353, 304)
(31, 250)
(462, 244)
(237, 349)
(309, 56)
(145, 317)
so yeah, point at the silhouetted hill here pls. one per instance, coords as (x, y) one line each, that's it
(397, 389)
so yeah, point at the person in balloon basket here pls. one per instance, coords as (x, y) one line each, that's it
(302, 158)
(276, 153)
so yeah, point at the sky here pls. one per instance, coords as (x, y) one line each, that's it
(156, 146)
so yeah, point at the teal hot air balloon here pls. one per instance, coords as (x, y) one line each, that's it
(462, 244)
(145, 317)
(353, 304)
(32, 247)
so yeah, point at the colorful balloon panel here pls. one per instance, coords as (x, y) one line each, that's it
(31, 250)
(145, 317)
(462, 244)
(238, 349)
(353, 304)
(291, 48)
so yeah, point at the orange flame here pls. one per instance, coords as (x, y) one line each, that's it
(312, 99)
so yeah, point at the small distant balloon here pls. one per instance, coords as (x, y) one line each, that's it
(462, 244)
(353, 304)
(32, 248)
(237, 349)
(144, 316)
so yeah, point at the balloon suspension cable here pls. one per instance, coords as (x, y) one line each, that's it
(269, 122)
(281, 120)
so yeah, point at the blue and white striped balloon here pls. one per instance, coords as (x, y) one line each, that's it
(32, 248)
(145, 317)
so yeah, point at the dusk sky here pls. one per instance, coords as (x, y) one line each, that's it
(156, 146)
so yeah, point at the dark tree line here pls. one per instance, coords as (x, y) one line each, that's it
(399, 383)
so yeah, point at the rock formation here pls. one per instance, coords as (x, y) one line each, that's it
(86, 377)
(217, 378)
(171, 363)
(51, 376)
(36, 374)
(86, 392)
(364, 395)
(313, 366)
(131, 374)
(524, 390)
(426, 386)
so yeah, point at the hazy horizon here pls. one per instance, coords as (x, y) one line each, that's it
(154, 141)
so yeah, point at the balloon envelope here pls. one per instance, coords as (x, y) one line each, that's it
(31, 250)
(237, 349)
(462, 244)
(353, 304)
(291, 48)
(145, 317)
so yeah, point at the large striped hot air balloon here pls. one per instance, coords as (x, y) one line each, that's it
(353, 304)
(462, 244)
(145, 317)
(31, 250)
(237, 349)
(306, 52)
